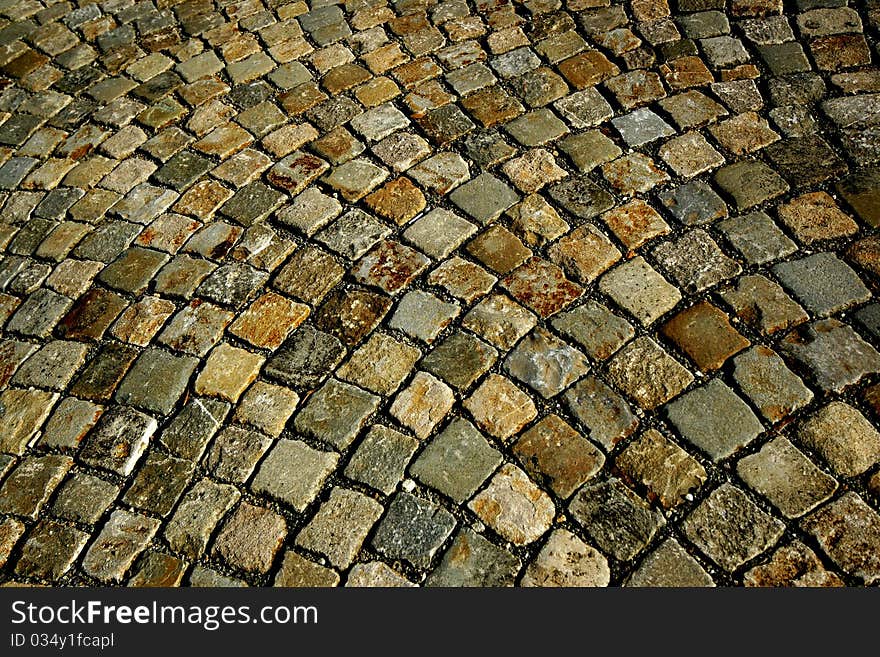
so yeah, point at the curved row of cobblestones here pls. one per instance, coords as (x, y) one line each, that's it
(443, 293)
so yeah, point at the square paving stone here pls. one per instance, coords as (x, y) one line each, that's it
(156, 381)
(10, 531)
(750, 183)
(566, 561)
(103, 373)
(92, 315)
(422, 315)
(714, 419)
(587, 150)
(355, 179)
(460, 360)
(647, 373)
(763, 304)
(637, 287)
(306, 358)
(379, 122)
(197, 516)
(28, 487)
(694, 203)
(861, 190)
(84, 498)
(235, 452)
(499, 249)
(182, 170)
(843, 437)
(309, 275)
(542, 286)
(744, 133)
(251, 538)
(376, 574)
(119, 439)
(634, 173)
(423, 404)
(310, 211)
(473, 561)
(757, 238)
(695, 262)
(585, 253)
(641, 127)
(227, 372)
(667, 472)
(545, 363)
(514, 507)
(398, 200)
(865, 253)
(536, 128)
(792, 565)
(457, 461)
(50, 550)
(704, 333)
(584, 109)
(353, 234)
(268, 320)
(252, 203)
(690, 155)
(774, 389)
(581, 197)
(232, 284)
(731, 529)
(822, 283)
(195, 328)
(484, 198)
(340, 526)
(535, 221)
(193, 426)
(848, 531)
(554, 453)
(412, 530)
(266, 407)
(293, 473)
(70, 422)
(439, 232)
(381, 458)
(500, 408)
(635, 223)
(380, 365)
(445, 124)
(831, 354)
(618, 520)
(390, 266)
(815, 216)
(462, 279)
(604, 413)
(336, 413)
(441, 173)
(157, 569)
(785, 476)
(133, 270)
(52, 366)
(297, 571)
(670, 565)
(534, 170)
(805, 161)
(122, 539)
(39, 314)
(597, 330)
(401, 150)
(159, 483)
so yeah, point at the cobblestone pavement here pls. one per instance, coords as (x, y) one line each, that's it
(439, 293)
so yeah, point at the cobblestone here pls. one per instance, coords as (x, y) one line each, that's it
(320, 295)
